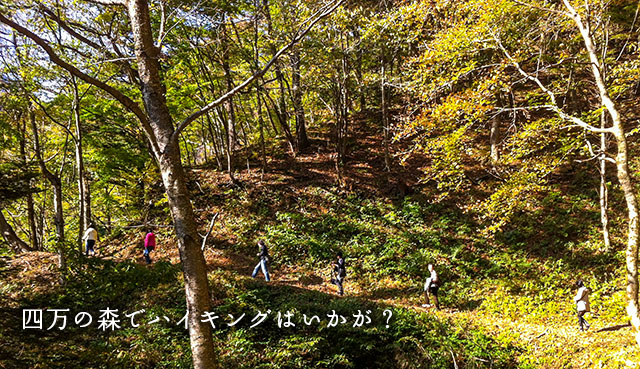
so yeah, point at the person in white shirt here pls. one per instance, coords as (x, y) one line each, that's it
(582, 305)
(431, 286)
(90, 237)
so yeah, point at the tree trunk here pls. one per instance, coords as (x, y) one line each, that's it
(31, 213)
(281, 110)
(213, 135)
(256, 61)
(385, 116)
(56, 183)
(361, 90)
(604, 191)
(42, 220)
(107, 197)
(84, 193)
(10, 236)
(263, 153)
(622, 165)
(193, 263)
(33, 230)
(342, 110)
(231, 115)
(341, 130)
(168, 158)
(628, 188)
(301, 128)
(494, 136)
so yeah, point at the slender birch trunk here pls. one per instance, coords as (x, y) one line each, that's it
(84, 193)
(622, 165)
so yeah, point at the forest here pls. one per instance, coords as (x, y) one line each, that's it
(413, 183)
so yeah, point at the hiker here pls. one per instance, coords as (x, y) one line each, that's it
(582, 305)
(339, 273)
(149, 245)
(90, 237)
(431, 286)
(262, 264)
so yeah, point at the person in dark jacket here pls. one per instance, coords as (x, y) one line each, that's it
(340, 272)
(263, 254)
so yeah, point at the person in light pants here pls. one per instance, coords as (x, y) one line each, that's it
(262, 264)
(582, 305)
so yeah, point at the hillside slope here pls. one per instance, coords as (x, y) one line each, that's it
(507, 301)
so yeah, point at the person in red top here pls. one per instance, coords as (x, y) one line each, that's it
(149, 245)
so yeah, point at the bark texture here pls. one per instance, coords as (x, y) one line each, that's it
(173, 178)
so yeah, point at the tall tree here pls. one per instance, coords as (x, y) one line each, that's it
(84, 189)
(229, 107)
(281, 109)
(157, 123)
(56, 184)
(31, 214)
(621, 159)
(384, 112)
(622, 165)
(302, 141)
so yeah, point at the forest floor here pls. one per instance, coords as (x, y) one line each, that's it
(554, 342)
(548, 340)
(513, 292)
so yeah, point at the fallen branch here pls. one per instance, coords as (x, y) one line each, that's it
(204, 238)
(455, 364)
(541, 334)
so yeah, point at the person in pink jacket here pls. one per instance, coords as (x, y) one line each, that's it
(149, 245)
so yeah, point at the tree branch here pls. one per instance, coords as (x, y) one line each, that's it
(554, 105)
(532, 6)
(195, 115)
(204, 238)
(122, 61)
(56, 59)
(108, 2)
(51, 14)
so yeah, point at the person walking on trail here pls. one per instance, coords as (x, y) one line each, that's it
(90, 237)
(582, 305)
(339, 272)
(431, 286)
(262, 264)
(149, 245)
